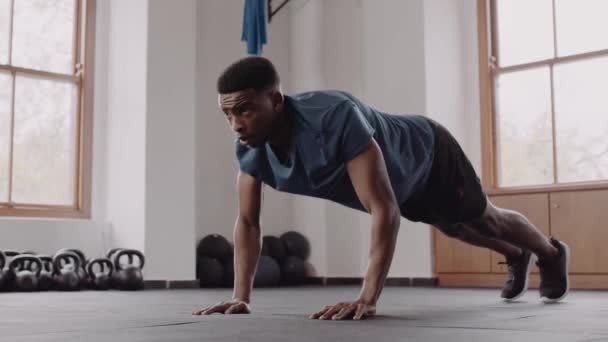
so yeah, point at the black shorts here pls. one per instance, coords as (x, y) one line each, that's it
(453, 192)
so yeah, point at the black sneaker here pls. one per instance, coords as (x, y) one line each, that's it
(518, 276)
(554, 280)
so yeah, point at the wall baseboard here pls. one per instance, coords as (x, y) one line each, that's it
(319, 281)
(171, 284)
(397, 281)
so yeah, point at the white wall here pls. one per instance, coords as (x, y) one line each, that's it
(170, 140)
(126, 122)
(452, 71)
(219, 24)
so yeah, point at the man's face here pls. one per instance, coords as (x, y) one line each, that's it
(251, 114)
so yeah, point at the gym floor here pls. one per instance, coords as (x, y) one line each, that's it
(405, 314)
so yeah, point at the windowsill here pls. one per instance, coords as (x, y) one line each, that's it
(599, 185)
(44, 214)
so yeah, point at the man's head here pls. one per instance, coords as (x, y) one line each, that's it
(250, 96)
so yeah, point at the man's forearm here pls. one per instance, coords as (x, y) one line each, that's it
(385, 226)
(246, 253)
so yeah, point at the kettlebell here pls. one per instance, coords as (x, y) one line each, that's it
(45, 279)
(85, 282)
(65, 266)
(129, 276)
(26, 279)
(9, 275)
(2, 273)
(100, 280)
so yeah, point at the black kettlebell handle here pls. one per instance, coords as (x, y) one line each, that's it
(104, 263)
(110, 253)
(65, 256)
(80, 255)
(47, 263)
(78, 252)
(130, 253)
(11, 253)
(19, 261)
(2, 260)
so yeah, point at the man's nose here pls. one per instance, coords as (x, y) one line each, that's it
(236, 125)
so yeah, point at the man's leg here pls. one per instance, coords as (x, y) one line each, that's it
(470, 235)
(515, 229)
(519, 261)
(454, 194)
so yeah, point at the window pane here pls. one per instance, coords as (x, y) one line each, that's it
(42, 35)
(581, 26)
(4, 24)
(525, 31)
(5, 120)
(44, 143)
(581, 120)
(523, 114)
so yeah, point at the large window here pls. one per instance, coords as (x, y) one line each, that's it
(46, 52)
(545, 64)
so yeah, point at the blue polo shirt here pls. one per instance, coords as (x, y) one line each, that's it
(329, 128)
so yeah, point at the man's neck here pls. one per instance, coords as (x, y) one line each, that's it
(282, 138)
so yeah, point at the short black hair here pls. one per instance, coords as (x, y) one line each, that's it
(248, 73)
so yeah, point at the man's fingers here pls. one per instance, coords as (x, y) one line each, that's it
(364, 311)
(316, 315)
(216, 308)
(200, 311)
(360, 312)
(330, 312)
(344, 313)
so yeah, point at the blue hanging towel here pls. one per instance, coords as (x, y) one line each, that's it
(254, 26)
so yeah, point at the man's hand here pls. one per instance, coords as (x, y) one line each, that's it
(234, 306)
(350, 310)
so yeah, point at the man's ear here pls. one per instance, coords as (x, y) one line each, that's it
(278, 100)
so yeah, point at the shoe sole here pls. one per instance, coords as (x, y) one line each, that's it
(555, 300)
(526, 282)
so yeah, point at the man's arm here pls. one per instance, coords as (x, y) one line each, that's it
(247, 247)
(370, 179)
(247, 235)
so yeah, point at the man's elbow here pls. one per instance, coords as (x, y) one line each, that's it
(247, 223)
(390, 214)
(395, 216)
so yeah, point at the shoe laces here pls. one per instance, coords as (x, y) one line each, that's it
(511, 267)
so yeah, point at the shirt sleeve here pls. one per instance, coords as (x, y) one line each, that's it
(349, 131)
(248, 160)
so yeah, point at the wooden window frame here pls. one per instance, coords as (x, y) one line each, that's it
(84, 58)
(488, 66)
